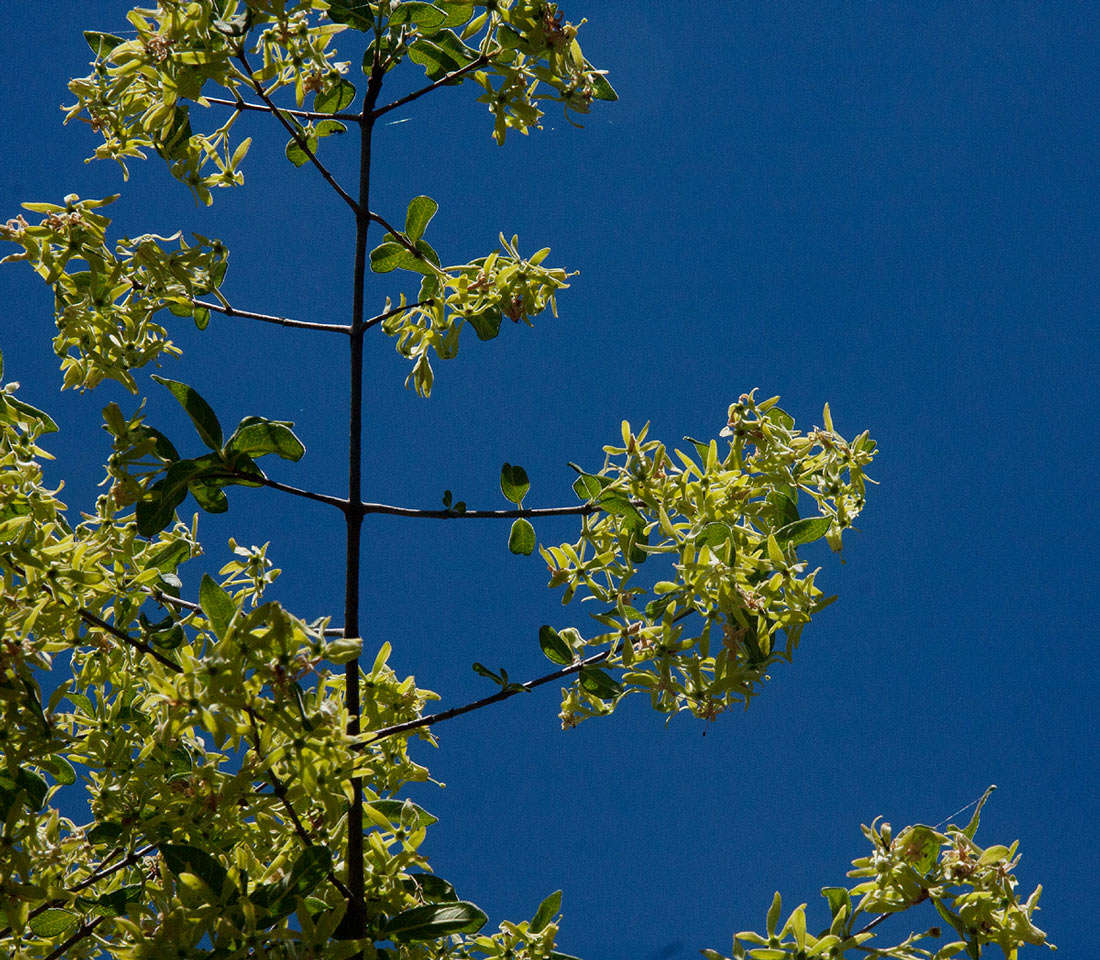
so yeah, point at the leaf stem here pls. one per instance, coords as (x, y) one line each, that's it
(505, 694)
(267, 318)
(367, 324)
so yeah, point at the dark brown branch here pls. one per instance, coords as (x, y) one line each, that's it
(166, 599)
(305, 114)
(84, 930)
(90, 618)
(481, 61)
(582, 509)
(433, 718)
(295, 135)
(267, 318)
(307, 494)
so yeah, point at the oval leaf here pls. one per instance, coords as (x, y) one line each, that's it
(521, 539)
(545, 913)
(554, 647)
(803, 531)
(514, 483)
(435, 920)
(257, 437)
(53, 923)
(418, 216)
(216, 604)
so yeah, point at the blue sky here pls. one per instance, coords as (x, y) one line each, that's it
(890, 207)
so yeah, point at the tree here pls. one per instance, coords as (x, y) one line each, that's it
(247, 800)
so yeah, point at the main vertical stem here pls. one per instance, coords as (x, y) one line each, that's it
(356, 918)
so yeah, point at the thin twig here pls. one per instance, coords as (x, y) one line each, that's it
(478, 704)
(582, 509)
(367, 324)
(90, 618)
(166, 599)
(307, 494)
(281, 792)
(267, 318)
(99, 874)
(297, 137)
(84, 930)
(305, 114)
(481, 61)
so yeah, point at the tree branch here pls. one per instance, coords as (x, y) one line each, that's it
(433, 718)
(481, 61)
(582, 509)
(367, 324)
(264, 108)
(167, 600)
(307, 494)
(90, 618)
(267, 318)
(84, 930)
(297, 137)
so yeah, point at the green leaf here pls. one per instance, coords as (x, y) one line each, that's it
(514, 483)
(328, 128)
(714, 534)
(521, 538)
(256, 437)
(838, 897)
(53, 922)
(596, 681)
(209, 495)
(33, 786)
(296, 155)
(786, 509)
(433, 921)
(426, 15)
(803, 531)
(32, 414)
(181, 858)
(206, 424)
(418, 216)
(114, 903)
(104, 832)
(388, 256)
(311, 867)
(546, 911)
(487, 323)
(392, 808)
(57, 765)
(436, 61)
(553, 646)
(972, 826)
(101, 43)
(216, 604)
(355, 13)
(772, 918)
(781, 417)
(601, 88)
(336, 98)
(617, 504)
(428, 886)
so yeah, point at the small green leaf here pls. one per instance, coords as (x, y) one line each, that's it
(426, 15)
(216, 604)
(335, 98)
(433, 921)
(32, 414)
(393, 807)
(355, 13)
(619, 505)
(328, 128)
(418, 216)
(57, 765)
(297, 155)
(427, 886)
(114, 903)
(546, 911)
(554, 647)
(803, 531)
(311, 867)
(773, 913)
(487, 323)
(388, 256)
(101, 43)
(206, 424)
(104, 832)
(181, 858)
(514, 483)
(53, 922)
(521, 539)
(596, 681)
(601, 88)
(714, 534)
(256, 437)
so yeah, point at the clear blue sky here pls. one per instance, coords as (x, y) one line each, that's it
(889, 206)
